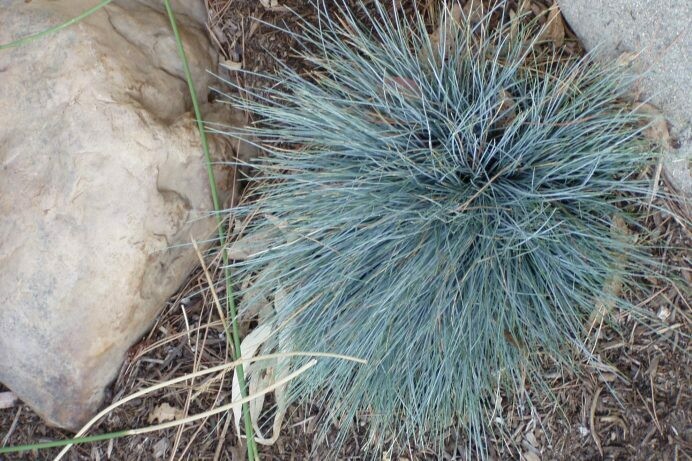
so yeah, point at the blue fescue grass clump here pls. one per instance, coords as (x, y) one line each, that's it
(443, 208)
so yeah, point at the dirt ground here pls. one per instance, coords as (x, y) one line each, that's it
(637, 407)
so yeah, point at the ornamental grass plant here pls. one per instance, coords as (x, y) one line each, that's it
(454, 204)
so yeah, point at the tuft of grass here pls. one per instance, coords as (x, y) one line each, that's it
(446, 209)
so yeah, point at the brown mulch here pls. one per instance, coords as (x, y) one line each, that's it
(637, 407)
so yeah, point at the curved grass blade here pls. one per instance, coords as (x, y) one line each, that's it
(159, 427)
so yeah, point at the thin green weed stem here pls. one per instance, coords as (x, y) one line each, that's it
(230, 302)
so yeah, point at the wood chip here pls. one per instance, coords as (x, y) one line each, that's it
(446, 32)
(531, 456)
(161, 447)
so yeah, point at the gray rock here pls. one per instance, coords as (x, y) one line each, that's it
(101, 173)
(660, 30)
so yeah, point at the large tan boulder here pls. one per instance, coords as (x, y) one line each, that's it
(101, 173)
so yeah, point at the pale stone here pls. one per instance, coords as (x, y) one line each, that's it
(101, 174)
(658, 33)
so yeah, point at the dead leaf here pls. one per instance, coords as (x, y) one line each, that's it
(274, 6)
(663, 313)
(456, 13)
(248, 348)
(231, 65)
(218, 34)
(554, 29)
(508, 108)
(164, 413)
(592, 420)
(531, 439)
(538, 9)
(261, 376)
(513, 24)
(653, 366)
(280, 370)
(289, 235)
(657, 131)
(474, 11)
(626, 59)
(613, 286)
(253, 303)
(250, 245)
(405, 86)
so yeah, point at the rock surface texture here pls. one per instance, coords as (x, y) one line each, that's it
(101, 173)
(661, 31)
